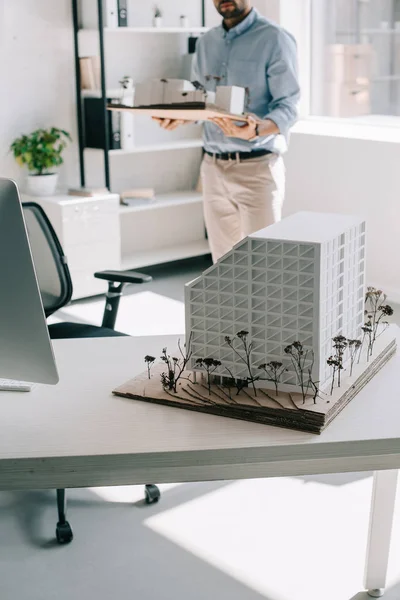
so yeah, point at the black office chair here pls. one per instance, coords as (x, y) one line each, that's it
(56, 290)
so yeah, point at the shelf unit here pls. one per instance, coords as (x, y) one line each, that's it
(144, 240)
(101, 32)
(164, 201)
(163, 220)
(121, 30)
(161, 147)
(166, 252)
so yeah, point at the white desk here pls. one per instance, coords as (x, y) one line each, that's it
(78, 434)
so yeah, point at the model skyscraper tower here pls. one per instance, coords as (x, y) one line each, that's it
(302, 279)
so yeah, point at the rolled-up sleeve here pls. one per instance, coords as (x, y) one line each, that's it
(283, 83)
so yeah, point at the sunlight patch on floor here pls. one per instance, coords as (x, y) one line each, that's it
(284, 538)
(141, 314)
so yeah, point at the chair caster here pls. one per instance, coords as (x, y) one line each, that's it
(152, 494)
(64, 533)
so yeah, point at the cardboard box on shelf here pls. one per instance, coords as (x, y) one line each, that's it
(349, 63)
(347, 100)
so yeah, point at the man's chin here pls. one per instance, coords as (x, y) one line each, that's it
(229, 13)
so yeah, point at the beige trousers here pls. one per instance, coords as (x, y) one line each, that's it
(240, 197)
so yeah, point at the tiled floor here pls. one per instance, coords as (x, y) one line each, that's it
(278, 539)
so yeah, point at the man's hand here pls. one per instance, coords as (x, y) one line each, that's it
(266, 127)
(169, 124)
(230, 129)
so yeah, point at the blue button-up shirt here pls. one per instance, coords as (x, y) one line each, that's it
(259, 55)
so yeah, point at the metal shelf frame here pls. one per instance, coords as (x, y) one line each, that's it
(79, 95)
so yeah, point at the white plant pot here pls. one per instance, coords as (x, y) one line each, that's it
(41, 185)
(157, 22)
(184, 22)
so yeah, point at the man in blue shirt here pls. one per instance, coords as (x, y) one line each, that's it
(243, 176)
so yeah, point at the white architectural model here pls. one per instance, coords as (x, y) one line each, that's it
(302, 279)
(276, 330)
(230, 98)
(164, 92)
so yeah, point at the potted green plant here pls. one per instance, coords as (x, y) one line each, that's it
(41, 151)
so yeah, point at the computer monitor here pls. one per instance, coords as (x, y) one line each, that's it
(26, 353)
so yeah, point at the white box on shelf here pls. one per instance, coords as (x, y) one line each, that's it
(89, 232)
(349, 63)
(230, 98)
(89, 15)
(111, 14)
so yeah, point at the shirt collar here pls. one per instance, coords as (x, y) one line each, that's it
(243, 26)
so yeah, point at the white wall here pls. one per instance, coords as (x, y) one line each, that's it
(334, 174)
(37, 69)
(37, 76)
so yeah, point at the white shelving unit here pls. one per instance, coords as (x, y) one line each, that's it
(166, 229)
(165, 201)
(161, 147)
(172, 226)
(159, 30)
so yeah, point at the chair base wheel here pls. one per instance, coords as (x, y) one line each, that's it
(152, 494)
(64, 533)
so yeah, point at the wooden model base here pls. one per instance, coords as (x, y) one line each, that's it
(184, 112)
(283, 410)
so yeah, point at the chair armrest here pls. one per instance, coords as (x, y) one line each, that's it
(123, 276)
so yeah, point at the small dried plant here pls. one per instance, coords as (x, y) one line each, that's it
(354, 348)
(176, 366)
(298, 356)
(157, 12)
(274, 371)
(376, 311)
(210, 365)
(336, 366)
(245, 356)
(149, 360)
(367, 330)
(239, 384)
(340, 344)
(313, 386)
